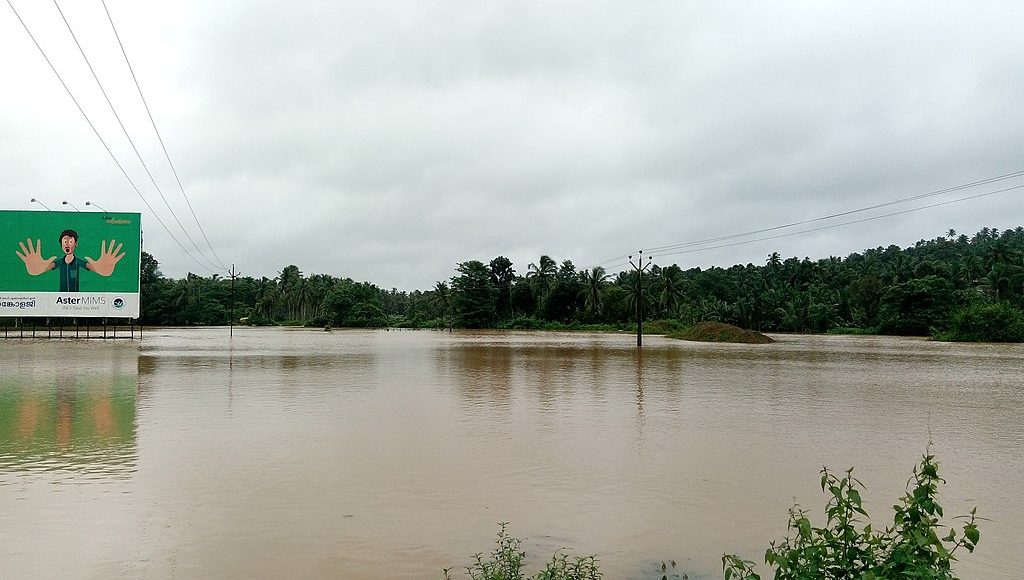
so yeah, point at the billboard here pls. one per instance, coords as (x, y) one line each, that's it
(73, 264)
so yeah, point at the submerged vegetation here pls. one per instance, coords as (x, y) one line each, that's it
(507, 560)
(847, 546)
(719, 332)
(954, 286)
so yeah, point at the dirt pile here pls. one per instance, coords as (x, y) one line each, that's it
(719, 332)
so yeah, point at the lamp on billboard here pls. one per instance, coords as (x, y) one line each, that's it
(66, 202)
(94, 205)
(34, 200)
(70, 264)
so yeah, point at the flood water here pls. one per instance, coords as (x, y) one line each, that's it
(371, 454)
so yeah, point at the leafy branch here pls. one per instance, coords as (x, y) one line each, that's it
(843, 548)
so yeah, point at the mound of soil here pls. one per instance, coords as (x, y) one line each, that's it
(718, 332)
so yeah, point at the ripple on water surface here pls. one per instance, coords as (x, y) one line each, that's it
(360, 454)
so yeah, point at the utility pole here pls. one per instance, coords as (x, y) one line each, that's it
(231, 332)
(640, 267)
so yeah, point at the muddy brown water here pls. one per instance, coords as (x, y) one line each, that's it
(369, 454)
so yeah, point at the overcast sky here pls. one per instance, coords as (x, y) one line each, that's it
(388, 141)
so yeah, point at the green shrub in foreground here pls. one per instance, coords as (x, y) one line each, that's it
(911, 548)
(506, 563)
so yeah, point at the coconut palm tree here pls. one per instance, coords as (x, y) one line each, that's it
(669, 285)
(268, 298)
(541, 275)
(898, 269)
(442, 299)
(594, 282)
(637, 300)
(188, 293)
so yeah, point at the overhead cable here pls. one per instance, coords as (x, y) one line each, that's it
(858, 221)
(212, 266)
(705, 241)
(846, 213)
(100, 137)
(160, 138)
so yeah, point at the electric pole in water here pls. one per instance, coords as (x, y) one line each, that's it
(639, 267)
(231, 332)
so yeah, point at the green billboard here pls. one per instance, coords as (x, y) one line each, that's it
(74, 264)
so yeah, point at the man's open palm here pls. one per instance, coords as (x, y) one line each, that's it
(33, 258)
(109, 257)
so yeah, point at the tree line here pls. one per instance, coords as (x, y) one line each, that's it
(952, 285)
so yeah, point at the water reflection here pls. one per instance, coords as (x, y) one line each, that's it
(639, 355)
(361, 454)
(550, 373)
(484, 373)
(60, 414)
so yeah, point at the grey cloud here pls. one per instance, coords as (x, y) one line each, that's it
(388, 141)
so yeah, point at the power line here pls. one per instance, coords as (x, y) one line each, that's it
(612, 270)
(862, 220)
(127, 136)
(159, 137)
(663, 249)
(100, 137)
(846, 213)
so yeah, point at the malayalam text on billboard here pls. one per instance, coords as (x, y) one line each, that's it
(72, 264)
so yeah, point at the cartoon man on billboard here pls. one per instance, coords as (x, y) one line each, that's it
(70, 265)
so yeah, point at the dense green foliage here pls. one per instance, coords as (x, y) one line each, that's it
(998, 322)
(925, 289)
(913, 547)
